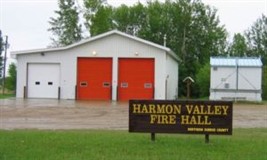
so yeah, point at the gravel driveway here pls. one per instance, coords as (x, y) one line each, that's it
(70, 114)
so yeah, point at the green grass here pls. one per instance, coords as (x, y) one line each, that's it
(4, 96)
(251, 102)
(245, 144)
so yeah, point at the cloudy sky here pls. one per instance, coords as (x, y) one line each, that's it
(26, 21)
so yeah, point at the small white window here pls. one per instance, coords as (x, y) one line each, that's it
(148, 85)
(124, 85)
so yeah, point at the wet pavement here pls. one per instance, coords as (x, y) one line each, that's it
(70, 114)
(62, 114)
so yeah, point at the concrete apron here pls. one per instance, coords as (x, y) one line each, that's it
(62, 114)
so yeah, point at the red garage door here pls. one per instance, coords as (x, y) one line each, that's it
(136, 79)
(94, 78)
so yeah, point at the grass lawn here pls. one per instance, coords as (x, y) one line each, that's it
(120, 145)
(3, 96)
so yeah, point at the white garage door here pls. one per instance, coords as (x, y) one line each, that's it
(43, 80)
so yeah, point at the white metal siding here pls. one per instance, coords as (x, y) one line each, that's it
(172, 78)
(222, 76)
(249, 78)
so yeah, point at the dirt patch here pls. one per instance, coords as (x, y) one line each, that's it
(249, 116)
(69, 114)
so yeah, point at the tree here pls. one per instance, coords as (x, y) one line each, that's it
(65, 27)
(12, 78)
(122, 18)
(130, 19)
(102, 21)
(203, 80)
(238, 47)
(257, 38)
(98, 16)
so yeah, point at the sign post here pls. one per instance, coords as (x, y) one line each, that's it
(207, 138)
(153, 137)
(189, 117)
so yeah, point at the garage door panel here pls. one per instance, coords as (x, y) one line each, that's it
(97, 73)
(138, 74)
(43, 80)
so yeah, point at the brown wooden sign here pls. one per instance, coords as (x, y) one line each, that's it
(196, 117)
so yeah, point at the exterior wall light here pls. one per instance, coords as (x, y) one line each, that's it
(94, 53)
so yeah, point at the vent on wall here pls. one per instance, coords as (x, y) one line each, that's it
(226, 85)
(223, 79)
(124, 85)
(215, 68)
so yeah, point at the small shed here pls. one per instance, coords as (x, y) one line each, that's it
(109, 66)
(235, 78)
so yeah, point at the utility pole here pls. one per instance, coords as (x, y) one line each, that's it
(4, 67)
(164, 40)
(1, 49)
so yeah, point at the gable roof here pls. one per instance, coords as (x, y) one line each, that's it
(166, 49)
(235, 61)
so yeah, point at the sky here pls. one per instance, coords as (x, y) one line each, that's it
(26, 21)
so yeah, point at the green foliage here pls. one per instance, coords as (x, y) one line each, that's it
(65, 27)
(1, 69)
(130, 19)
(98, 16)
(101, 21)
(264, 83)
(257, 38)
(203, 80)
(93, 5)
(5, 96)
(122, 18)
(121, 145)
(12, 78)
(238, 48)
